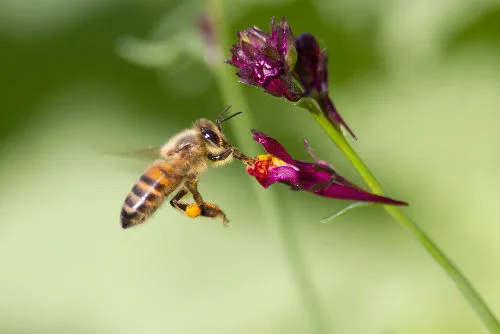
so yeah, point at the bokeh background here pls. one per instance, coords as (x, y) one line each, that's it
(418, 81)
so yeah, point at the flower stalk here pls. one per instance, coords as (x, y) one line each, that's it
(463, 284)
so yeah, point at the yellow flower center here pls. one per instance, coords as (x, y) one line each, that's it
(262, 164)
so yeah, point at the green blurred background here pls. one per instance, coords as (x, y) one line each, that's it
(419, 83)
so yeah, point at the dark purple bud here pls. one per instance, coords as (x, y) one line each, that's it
(308, 60)
(312, 71)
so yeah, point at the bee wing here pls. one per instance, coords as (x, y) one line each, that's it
(147, 153)
(139, 158)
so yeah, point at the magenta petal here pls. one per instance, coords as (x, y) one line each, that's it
(257, 37)
(282, 87)
(274, 32)
(249, 50)
(265, 69)
(283, 174)
(272, 146)
(310, 176)
(283, 37)
(348, 193)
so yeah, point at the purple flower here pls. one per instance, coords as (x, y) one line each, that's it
(316, 177)
(265, 60)
(284, 66)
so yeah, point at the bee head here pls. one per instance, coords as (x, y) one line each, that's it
(211, 135)
(217, 146)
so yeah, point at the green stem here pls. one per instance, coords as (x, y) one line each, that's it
(409, 226)
(269, 204)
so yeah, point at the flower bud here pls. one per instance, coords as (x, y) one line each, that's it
(266, 61)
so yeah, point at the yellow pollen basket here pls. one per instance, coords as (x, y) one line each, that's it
(193, 210)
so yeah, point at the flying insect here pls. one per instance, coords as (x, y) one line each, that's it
(182, 159)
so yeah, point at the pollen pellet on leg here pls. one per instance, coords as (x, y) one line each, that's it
(193, 210)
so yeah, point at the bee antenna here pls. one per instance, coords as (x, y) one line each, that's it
(219, 121)
(229, 117)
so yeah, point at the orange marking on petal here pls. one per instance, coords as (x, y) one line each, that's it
(263, 163)
(261, 166)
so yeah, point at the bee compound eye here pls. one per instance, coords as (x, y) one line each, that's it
(209, 135)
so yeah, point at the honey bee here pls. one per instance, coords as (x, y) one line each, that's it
(182, 159)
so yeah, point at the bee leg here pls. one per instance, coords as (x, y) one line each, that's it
(223, 156)
(192, 186)
(206, 209)
(191, 210)
(211, 210)
(175, 200)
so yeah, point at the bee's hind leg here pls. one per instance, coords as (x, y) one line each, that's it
(192, 210)
(206, 209)
(211, 210)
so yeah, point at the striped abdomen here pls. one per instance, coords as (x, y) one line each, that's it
(157, 182)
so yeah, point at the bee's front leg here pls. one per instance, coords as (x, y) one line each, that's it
(237, 154)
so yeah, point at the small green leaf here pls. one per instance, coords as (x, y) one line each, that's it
(345, 210)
